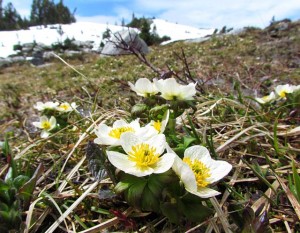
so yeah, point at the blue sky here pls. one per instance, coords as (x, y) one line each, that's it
(197, 13)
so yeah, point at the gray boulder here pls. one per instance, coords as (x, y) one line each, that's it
(5, 62)
(37, 58)
(125, 42)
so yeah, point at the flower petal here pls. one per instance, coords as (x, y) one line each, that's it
(165, 163)
(146, 132)
(37, 124)
(119, 160)
(204, 192)
(102, 129)
(158, 142)
(43, 118)
(52, 122)
(197, 153)
(45, 134)
(218, 170)
(187, 92)
(127, 140)
(119, 123)
(107, 141)
(185, 174)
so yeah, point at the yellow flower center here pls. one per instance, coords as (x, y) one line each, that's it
(117, 132)
(157, 125)
(64, 107)
(143, 155)
(46, 125)
(265, 98)
(282, 93)
(200, 170)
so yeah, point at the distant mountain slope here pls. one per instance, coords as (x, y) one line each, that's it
(84, 31)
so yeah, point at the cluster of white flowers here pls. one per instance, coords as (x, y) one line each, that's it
(61, 107)
(48, 123)
(146, 150)
(279, 93)
(169, 89)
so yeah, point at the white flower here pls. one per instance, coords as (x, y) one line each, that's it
(296, 88)
(171, 90)
(142, 158)
(197, 170)
(107, 135)
(160, 126)
(66, 107)
(267, 98)
(40, 106)
(282, 90)
(46, 125)
(143, 87)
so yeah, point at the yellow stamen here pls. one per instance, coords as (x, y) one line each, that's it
(200, 170)
(64, 107)
(282, 94)
(46, 125)
(157, 125)
(143, 155)
(117, 132)
(265, 98)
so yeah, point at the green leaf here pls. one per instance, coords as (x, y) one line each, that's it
(126, 181)
(188, 140)
(158, 112)
(5, 148)
(4, 207)
(135, 192)
(3, 186)
(25, 192)
(193, 209)
(139, 110)
(7, 151)
(155, 186)
(157, 182)
(122, 186)
(296, 179)
(150, 201)
(20, 181)
(171, 211)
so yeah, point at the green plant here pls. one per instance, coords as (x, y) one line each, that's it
(15, 193)
(294, 182)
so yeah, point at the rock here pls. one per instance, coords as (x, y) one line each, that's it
(37, 58)
(27, 47)
(121, 42)
(5, 62)
(17, 59)
(71, 53)
(83, 44)
(47, 55)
